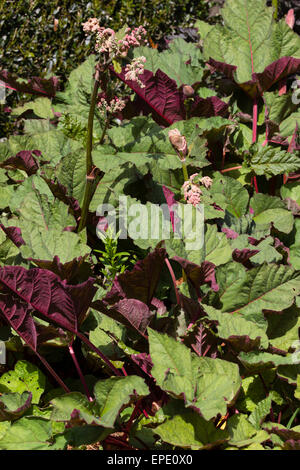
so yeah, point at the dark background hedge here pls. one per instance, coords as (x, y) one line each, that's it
(30, 45)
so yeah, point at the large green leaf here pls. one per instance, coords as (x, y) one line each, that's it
(75, 99)
(242, 432)
(230, 194)
(173, 61)
(42, 220)
(242, 334)
(205, 384)
(250, 39)
(279, 107)
(217, 247)
(269, 287)
(271, 161)
(186, 429)
(288, 125)
(256, 360)
(268, 209)
(50, 141)
(14, 405)
(261, 411)
(71, 173)
(36, 206)
(283, 329)
(64, 405)
(291, 190)
(44, 245)
(30, 433)
(41, 107)
(267, 253)
(24, 377)
(111, 394)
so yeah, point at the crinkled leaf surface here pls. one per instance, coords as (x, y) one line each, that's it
(63, 407)
(14, 405)
(251, 48)
(111, 394)
(187, 429)
(269, 287)
(206, 385)
(242, 334)
(173, 61)
(30, 433)
(25, 377)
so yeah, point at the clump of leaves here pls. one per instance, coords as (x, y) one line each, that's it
(189, 347)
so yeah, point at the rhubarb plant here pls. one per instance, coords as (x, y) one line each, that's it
(119, 332)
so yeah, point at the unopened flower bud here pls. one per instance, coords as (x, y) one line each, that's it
(179, 142)
(188, 91)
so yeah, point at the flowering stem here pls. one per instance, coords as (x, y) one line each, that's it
(104, 131)
(275, 6)
(185, 173)
(89, 161)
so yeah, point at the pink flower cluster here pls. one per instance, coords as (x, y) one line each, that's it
(106, 40)
(135, 37)
(91, 26)
(135, 69)
(192, 193)
(115, 106)
(191, 188)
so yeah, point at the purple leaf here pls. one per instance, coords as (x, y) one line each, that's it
(209, 107)
(23, 160)
(199, 275)
(231, 234)
(144, 362)
(60, 192)
(243, 256)
(132, 293)
(129, 312)
(263, 81)
(275, 72)
(141, 282)
(203, 342)
(67, 271)
(243, 343)
(160, 95)
(159, 305)
(42, 293)
(222, 67)
(14, 234)
(34, 86)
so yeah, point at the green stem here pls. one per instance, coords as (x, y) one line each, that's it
(104, 131)
(89, 161)
(89, 145)
(185, 173)
(275, 6)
